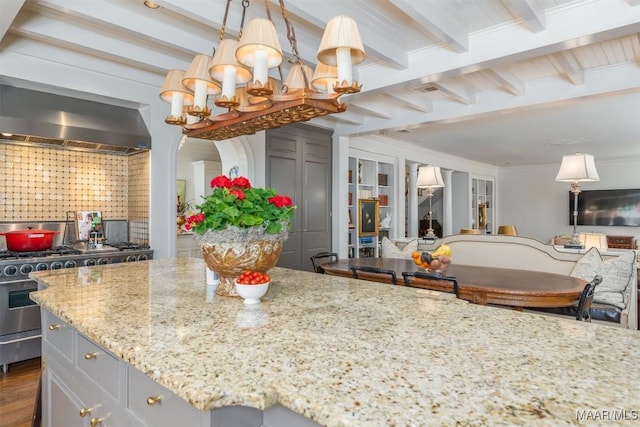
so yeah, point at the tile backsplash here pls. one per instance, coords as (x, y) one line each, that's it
(42, 184)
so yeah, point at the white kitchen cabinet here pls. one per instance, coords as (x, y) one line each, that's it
(89, 386)
(154, 405)
(63, 408)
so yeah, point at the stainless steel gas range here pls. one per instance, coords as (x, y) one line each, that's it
(19, 316)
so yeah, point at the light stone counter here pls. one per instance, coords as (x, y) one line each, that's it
(348, 353)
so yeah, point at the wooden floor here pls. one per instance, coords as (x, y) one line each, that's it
(18, 392)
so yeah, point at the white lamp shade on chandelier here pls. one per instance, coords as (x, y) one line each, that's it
(429, 177)
(577, 167)
(225, 68)
(324, 77)
(198, 80)
(259, 48)
(175, 93)
(341, 46)
(295, 79)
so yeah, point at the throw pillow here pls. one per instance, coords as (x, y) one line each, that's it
(389, 250)
(616, 274)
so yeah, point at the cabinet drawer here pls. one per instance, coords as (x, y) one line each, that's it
(58, 334)
(163, 408)
(100, 365)
(620, 242)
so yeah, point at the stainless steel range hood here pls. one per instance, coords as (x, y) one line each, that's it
(43, 119)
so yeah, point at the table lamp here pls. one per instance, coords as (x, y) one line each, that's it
(575, 169)
(429, 177)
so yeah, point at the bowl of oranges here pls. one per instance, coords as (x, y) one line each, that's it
(437, 260)
(252, 285)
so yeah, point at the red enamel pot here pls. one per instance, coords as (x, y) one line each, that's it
(29, 240)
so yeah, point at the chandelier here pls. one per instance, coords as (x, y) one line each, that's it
(237, 79)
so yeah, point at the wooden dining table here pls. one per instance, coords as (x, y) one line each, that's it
(480, 285)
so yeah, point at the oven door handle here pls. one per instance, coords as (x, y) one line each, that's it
(21, 339)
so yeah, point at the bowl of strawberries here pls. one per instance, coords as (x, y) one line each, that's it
(252, 285)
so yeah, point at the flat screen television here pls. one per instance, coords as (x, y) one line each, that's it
(607, 207)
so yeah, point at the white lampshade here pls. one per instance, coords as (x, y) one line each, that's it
(175, 93)
(324, 77)
(341, 47)
(594, 240)
(259, 35)
(577, 167)
(429, 177)
(226, 55)
(341, 32)
(173, 85)
(197, 79)
(295, 79)
(199, 71)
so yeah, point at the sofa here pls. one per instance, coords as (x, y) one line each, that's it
(615, 299)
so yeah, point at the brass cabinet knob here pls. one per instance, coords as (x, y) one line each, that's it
(152, 400)
(85, 411)
(95, 421)
(53, 327)
(89, 356)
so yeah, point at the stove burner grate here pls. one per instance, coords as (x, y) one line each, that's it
(58, 250)
(126, 246)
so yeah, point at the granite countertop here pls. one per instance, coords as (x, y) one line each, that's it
(345, 352)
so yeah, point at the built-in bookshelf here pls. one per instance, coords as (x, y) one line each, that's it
(371, 191)
(482, 205)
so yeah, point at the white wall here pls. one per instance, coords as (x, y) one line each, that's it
(191, 151)
(538, 206)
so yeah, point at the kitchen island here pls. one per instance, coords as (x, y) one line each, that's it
(338, 351)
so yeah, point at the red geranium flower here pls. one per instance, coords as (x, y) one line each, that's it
(281, 201)
(241, 182)
(235, 203)
(195, 218)
(221, 181)
(238, 193)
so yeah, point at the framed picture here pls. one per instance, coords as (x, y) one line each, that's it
(89, 222)
(368, 220)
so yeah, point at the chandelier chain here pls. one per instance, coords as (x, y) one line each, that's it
(245, 5)
(291, 36)
(266, 7)
(224, 22)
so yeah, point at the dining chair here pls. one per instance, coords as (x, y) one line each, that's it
(586, 299)
(408, 276)
(356, 269)
(317, 259)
